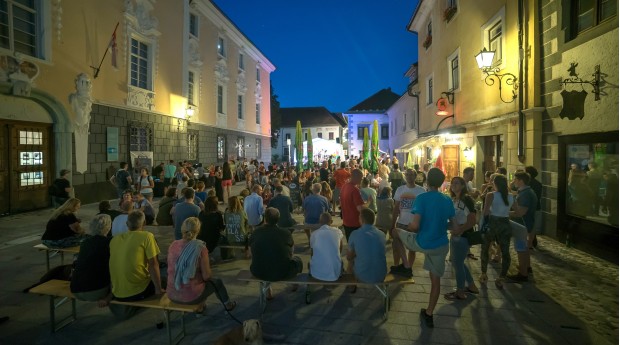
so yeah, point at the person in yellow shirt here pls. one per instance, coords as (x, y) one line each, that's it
(134, 268)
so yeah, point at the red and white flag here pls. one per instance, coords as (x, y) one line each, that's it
(112, 47)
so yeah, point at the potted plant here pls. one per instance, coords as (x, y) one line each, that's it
(427, 42)
(449, 13)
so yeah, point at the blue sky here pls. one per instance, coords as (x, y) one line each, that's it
(332, 53)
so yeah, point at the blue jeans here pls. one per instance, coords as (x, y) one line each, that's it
(459, 247)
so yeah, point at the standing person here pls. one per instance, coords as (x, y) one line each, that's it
(537, 188)
(324, 172)
(325, 247)
(524, 213)
(63, 228)
(326, 191)
(158, 171)
(385, 210)
(465, 215)
(227, 180)
(212, 221)
(169, 171)
(366, 253)
(253, 206)
(468, 176)
(134, 267)
(369, 195)
(145, 185)
(122, 179)
(60, 189)
(190, 279)
(402, 216)
(314, 205)
(497, 206)
(284, 205)
(183, 210)
(341, 176)
(396, 179)
(351, 203)
(427, 234)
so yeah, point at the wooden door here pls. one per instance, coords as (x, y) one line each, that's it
(5, 187)
(451, 161)
(30, 166)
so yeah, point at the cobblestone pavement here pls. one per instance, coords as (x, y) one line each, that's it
(573, 299)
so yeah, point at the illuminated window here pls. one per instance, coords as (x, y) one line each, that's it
(241, 147)
(192, 146)
(221, 48)
(30, 138)
(221, 146)
(140, 64)
(140, 138)
(30, 158)
(258, 148)
(31, 178)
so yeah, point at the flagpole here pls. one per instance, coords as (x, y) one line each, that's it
(105, 53)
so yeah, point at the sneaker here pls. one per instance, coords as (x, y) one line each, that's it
(426, 319)
(517, 278)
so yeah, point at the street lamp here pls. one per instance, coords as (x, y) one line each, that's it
(484, 59)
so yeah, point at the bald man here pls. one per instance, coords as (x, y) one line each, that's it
(351, 203)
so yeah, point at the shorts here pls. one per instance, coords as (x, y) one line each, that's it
(519, 237)
(348, 230)
(226, 183)
(336, 195)
(434, 259)
(167, 181)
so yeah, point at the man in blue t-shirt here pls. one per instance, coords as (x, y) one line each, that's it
(183, 210)
(366, 254)
(122, 179)
(427, 234)
(525, 214)
(314, 205)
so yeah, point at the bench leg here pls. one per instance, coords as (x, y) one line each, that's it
(308, 292)
(173, 340)
(386, 299)
(55, 326)
(264, 287)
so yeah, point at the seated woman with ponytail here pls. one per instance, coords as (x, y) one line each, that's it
(190, 278)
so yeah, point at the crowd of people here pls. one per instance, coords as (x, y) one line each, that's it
(417, 209)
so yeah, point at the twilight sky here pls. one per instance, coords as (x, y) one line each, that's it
(332, 53)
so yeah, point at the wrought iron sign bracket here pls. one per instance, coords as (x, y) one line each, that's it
(574, 79)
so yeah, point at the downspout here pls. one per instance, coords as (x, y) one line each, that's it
(521, 129)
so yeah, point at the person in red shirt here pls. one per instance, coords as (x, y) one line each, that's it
(351, 203)
(341, 176)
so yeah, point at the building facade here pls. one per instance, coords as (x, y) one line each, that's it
(517, 112)
(404, 121)
(178, 82)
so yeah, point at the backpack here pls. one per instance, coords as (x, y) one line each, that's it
(53, 189)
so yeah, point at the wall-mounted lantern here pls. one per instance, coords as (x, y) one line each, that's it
(484, 59)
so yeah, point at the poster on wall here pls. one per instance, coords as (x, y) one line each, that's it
(112, 144)
(139, 160)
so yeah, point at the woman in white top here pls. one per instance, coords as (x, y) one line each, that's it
(497, 206)
(146, 184)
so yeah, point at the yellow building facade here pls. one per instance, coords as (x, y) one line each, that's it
(186, 84)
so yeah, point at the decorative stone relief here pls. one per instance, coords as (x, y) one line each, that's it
(241, 124)
(221, 71)
(141, 98)
(142, 13)
(58, 19)
(221, 121)
(242, 85)
(20, 73)
(257, 92)
(194, 53)
(81, 102)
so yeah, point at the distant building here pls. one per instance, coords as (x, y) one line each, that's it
(404, 120)
(321, 122)
(364, 114)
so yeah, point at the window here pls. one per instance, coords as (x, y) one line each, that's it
(21, 30)
(140, 64)
(331, 135)
(454, 77)
(140, 138)
(495, 42)
(220, 99)
(451, 3)
(240, 107)
(30, 138)
(221, 48)
(258, 75)
(241, 147)
(192, 146)
(385, 131)
(221, 146)
(394, 126)
(31, 158)
(588, 14)
(288, 136)
(360, 132)
(190, 88)
(258, 113)
(306, 136)
(414, 118)
(241, 63)
(193, 25)
(429, 29)
(320, 135)
(31, 178)
(259, 147)
(493, 36)
(429, 91)
(404, 122)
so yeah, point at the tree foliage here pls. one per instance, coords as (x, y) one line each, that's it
(276, 119)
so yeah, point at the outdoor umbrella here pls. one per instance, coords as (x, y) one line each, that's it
(374, 148)
(309, 148)
(299, 147)
(365, 150)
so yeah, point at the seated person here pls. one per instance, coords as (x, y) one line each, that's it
(119, 224)
(63, 229)
(143, 204)
(134, 268)
(106, 208)
(284, 204)
(201, 193)
(91, 274)
(236, 220)
(190, 279)
(326, 245)
(272, 250)
(212, 221)
(165, 206)
(314, 205)
(366, 252)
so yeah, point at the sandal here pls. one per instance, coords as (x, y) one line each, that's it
(453, 296)
(471, 291)
(232, 307)
(472, 256)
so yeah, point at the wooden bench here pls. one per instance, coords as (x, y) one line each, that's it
(307, 280)
(62, 251)
(59, 292)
